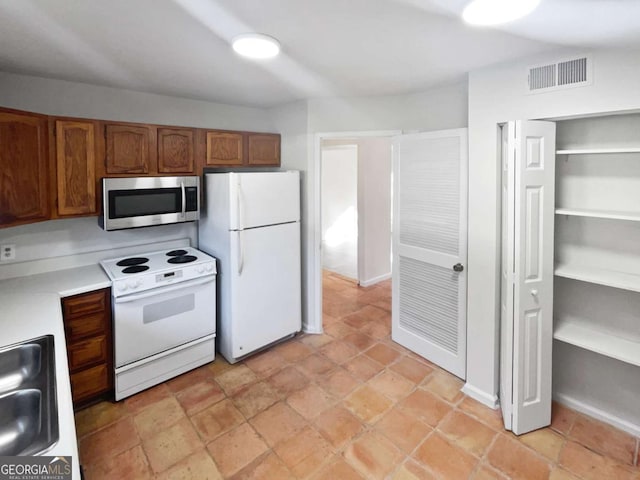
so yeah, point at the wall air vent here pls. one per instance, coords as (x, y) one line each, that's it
(560, 75)
(542, 77)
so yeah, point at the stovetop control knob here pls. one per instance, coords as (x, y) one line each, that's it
(138, 282)
(132, 285)
(200, 269)
(122, 287)
(209, 267)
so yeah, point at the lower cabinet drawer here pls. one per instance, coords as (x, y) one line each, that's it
(85, 303)
(87, 352)
(90, 382)
(86, 326)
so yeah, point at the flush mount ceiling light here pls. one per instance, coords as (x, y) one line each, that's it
(256, 45)
(495, 12)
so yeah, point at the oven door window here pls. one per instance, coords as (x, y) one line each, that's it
(151, 201)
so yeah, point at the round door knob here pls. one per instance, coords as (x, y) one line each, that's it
(458, 267)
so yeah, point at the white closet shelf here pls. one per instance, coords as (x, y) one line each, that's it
(611, 214)
(597, 341)
(600, 276)
(586, 151)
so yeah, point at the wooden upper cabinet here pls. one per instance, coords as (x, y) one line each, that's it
(176, 150)
(224, 149)
(264, 149)
(24, 168)
(128, 149)
(75, 159)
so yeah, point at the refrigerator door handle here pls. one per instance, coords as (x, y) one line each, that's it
(240, 253)
(240, 206)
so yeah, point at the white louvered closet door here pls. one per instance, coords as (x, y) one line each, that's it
(430, 246)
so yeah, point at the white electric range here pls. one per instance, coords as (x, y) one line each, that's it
(164, 316)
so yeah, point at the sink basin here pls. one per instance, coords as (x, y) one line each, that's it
(19, 365)
(28, 409)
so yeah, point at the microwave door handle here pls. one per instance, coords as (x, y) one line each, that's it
(184, 199)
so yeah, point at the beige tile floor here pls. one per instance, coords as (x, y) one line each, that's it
(348, 404)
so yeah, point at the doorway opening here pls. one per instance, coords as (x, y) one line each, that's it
(353, 221)
(339, 193)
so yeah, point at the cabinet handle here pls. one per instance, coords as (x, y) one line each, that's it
(458, 267)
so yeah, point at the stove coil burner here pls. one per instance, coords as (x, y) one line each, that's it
(135, 269)
(183, 259)
(128, 262)
(176, 253)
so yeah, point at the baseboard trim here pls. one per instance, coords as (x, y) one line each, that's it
(481, 396)
(313, 331)
(597, 413)
(374, 280)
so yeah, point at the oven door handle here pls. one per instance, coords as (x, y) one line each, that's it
(162, 290)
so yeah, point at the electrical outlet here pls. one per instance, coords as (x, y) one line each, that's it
(7, 252)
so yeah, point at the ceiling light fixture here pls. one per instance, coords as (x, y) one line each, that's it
(495, 12)
(256, 46)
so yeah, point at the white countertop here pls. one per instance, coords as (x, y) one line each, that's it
(31, 308)
(64, 283)
(29, 315)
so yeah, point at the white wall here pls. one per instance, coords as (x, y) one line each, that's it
(496, 95)
(60, 97)
(435, 109)
(56, 97)
(73, 236)
(374, 208)
(340, 209)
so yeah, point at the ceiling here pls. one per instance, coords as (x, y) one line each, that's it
(330, 47)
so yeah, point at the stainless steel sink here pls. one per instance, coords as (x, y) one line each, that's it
(28, 409)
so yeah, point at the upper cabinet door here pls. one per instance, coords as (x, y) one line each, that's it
(264, 149)
(76, 167)
(175, 150)
(128, 148)
(224, 149)
(24, 171)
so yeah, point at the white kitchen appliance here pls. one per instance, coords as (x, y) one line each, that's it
(164, 316)
(251, 223)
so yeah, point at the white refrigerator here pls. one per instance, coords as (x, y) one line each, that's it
(251, 223)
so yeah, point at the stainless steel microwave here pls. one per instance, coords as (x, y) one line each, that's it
(145, 201)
